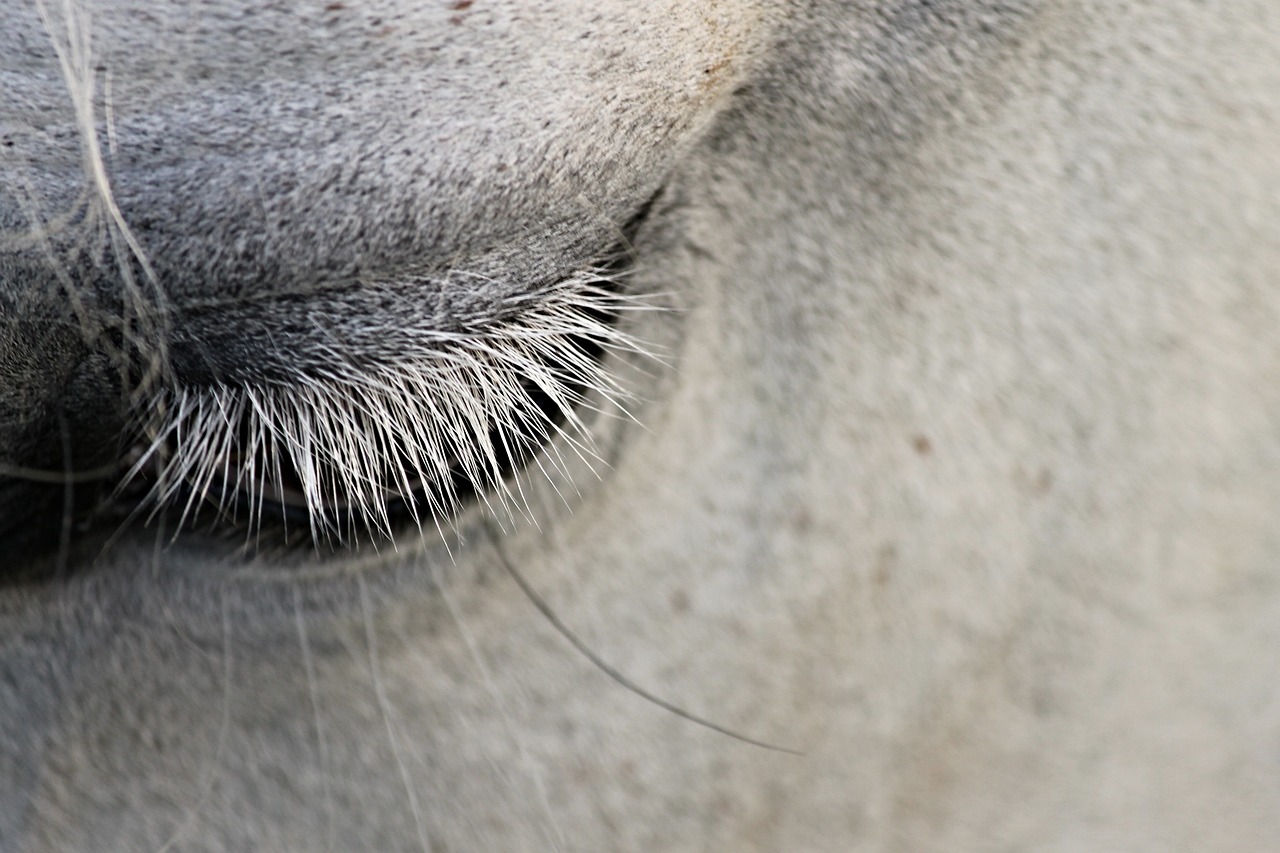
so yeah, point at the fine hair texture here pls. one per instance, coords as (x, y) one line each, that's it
(352, 497)
(352, 436)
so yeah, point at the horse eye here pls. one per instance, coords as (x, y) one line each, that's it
(364, 446)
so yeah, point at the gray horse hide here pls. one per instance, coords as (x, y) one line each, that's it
(925, 423)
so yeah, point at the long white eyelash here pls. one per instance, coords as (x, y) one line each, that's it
(359, 435)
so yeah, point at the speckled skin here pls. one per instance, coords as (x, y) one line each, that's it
(959, 474)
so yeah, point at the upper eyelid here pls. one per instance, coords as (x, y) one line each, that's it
(483, 374)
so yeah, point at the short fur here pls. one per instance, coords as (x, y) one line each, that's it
(959, 474)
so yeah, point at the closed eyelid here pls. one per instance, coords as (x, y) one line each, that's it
(345, 447)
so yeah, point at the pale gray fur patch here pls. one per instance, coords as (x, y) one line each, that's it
(961, 478)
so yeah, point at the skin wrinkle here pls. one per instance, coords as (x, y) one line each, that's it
(955, 469)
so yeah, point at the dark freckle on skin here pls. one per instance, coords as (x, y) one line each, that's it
(461, 5)
(922, 445)
(711, 72)
(680, 601)
(335, 7)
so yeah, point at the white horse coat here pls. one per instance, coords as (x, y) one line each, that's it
(955, 468)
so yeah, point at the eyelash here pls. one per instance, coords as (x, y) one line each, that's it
(349, 453)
